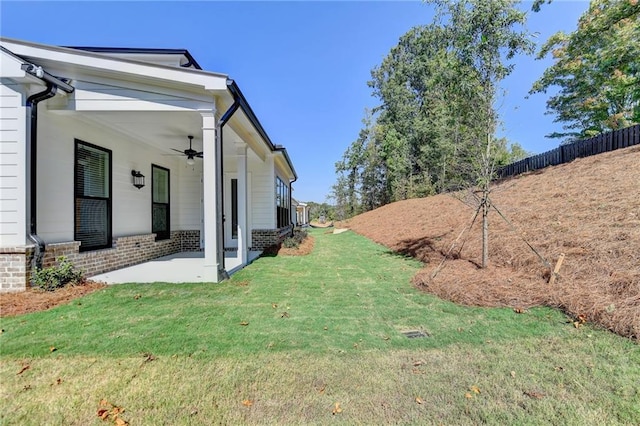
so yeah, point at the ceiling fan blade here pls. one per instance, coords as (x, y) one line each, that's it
(199, 154)
(177, 150)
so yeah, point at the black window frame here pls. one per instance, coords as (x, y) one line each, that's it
(234, 209)
(166, 234)
(283, 207)
(77, 196)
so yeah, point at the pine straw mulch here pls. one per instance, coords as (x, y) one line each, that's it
(303, 249)
(588, 209)
(35, 299)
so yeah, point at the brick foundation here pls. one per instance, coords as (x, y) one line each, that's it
(15, 263)
(262, 239)
(15, 268)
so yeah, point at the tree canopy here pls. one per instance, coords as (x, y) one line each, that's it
(434, 127)
(597, 71)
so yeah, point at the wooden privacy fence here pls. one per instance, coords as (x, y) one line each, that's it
(565, 153)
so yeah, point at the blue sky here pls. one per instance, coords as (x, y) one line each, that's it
(303, 66)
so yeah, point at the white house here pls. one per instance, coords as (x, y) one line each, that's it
(115, 156)
(301, 213)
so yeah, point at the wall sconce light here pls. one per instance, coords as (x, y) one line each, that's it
(138, 179)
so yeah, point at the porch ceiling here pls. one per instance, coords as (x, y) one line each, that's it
(160, 130)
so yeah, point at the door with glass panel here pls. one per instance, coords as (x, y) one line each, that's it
(160, 209)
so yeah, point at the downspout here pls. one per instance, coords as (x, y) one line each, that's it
(32, 155)
(53, 84)
(222, 272)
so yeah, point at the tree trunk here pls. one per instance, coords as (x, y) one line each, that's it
(485, 204)
(485, 229)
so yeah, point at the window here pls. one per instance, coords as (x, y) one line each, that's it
(92, 194)
(160, 202)
(282, 203)
(234, 209)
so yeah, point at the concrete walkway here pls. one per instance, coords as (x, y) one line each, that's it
(187, 267)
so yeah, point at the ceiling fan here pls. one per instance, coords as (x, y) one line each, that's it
(190, 153)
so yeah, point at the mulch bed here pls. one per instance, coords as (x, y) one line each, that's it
(34, 300)
(303, 249)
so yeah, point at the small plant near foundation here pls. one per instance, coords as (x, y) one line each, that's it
(295, 240)
(58, 275)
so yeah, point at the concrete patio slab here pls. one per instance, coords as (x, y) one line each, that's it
(186, 267)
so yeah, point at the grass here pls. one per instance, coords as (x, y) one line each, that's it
(320, 329)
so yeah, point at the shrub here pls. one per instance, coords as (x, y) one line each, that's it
(57, 276)
(294, 241)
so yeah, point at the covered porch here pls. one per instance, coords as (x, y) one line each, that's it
(184, 267)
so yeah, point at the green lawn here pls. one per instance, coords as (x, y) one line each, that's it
(292, 336)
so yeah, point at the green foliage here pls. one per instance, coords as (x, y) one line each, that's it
(317, 210)
(294, 241)
(57, 276)
(437, 90)
(597, 69)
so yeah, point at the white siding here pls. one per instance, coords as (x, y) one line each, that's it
(12, 165)
(186, 195)
(131, 207)
(263, 190)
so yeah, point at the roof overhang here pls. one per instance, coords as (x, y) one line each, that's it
(70, 59)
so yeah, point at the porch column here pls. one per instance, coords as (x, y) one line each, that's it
(243, 231)
(210, 201)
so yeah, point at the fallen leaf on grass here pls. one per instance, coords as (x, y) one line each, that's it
(419, 400)
(244, 323)
(137, 296)
(580, 320)
(418, 363)
(274, 305)
(52, 349)
(284, 315)
(519, 310)
(336, 408)
(513, 374)
(24, 368)
(108, 411)
(103, 413)
(468, 395)
(247, 403)
(534, 395)
(148, 357)
(474, 389)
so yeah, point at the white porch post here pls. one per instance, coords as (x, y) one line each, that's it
(210, 202)
(243, 237)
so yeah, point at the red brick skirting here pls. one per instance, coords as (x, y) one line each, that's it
(15, 263)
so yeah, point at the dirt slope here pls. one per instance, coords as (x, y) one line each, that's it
(588, 209)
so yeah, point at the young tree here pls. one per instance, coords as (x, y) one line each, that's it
(485, 36)
(597, 68)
